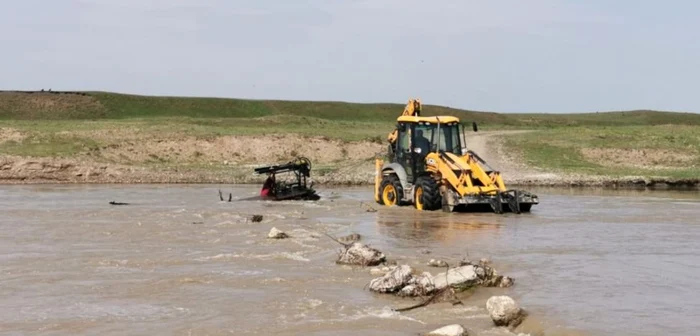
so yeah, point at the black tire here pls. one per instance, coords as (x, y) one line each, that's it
(391, 180)
(429, 192)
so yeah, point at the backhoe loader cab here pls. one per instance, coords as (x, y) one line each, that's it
(419, 136)
(429, 166)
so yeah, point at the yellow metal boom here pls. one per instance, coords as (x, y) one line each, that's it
(412, 109)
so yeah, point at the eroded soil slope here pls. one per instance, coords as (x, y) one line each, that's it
(128, 155)
(125, 156)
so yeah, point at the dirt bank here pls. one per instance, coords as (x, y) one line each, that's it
(130, 156)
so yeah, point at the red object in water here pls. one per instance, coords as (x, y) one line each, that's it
(267, 187)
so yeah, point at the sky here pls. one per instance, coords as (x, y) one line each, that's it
(554, 56)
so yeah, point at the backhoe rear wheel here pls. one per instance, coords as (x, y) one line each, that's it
(427, 194)
(390, 190)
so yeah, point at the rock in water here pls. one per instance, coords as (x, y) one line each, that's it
(486, 275)
(359, 254)
(505, 282)
(460, 277)
(277, 234)
(504, 311)
(409, 291)
(393, 281)
(450, 330)
(499, 281)
(402, 282)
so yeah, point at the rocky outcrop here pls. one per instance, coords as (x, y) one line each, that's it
(402, 280)
(393, 281)
(504, 311)
(418, 285)
(450, 330)
(469, 274)
(461, 277)
(488, 277)
(362, 255)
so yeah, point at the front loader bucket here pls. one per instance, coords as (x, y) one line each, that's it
(514, 201)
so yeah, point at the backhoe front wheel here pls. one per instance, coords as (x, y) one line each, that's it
(390, 190)
(427, 194)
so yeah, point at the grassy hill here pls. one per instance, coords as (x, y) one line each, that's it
(16, 105)
(110, 128)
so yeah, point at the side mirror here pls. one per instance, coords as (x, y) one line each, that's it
(476, 128)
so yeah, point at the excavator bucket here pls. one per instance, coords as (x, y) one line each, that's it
(470, 185)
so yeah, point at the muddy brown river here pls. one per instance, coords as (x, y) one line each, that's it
(177, 261)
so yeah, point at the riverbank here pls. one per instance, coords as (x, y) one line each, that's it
(83, 170)
(131, 157)
(109, 138)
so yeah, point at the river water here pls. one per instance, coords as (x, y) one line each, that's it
(177, 261)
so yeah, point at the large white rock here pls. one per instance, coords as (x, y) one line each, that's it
(450, 330)
(418, 285)
(459, 276)
(504, 311)
(425, 280)
(409, 290)
(359, 254)
(277, 234)
(393, 281)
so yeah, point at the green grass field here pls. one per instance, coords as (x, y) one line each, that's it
(648, 150)
(609, 143)
(112, 106)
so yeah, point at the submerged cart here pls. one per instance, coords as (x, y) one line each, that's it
(295, 187)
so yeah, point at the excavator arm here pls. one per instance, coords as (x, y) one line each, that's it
(412, 109)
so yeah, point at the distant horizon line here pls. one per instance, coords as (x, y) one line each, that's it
(83, 92)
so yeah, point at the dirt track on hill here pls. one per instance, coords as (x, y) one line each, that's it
(489, 146)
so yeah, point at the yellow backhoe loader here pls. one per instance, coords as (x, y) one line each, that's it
(428, 166)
